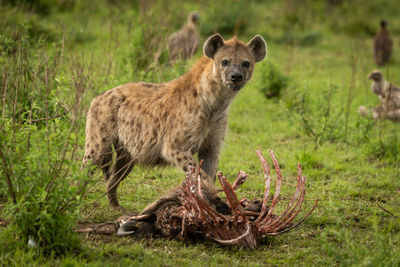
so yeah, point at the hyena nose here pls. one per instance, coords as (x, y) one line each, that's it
(236, 77)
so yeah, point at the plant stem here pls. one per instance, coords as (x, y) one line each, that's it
(8, 176)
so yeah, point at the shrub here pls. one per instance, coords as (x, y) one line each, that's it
(271, 80)
(38, 141)
(317, 114)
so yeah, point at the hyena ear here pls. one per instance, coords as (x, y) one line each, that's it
(212, 45)
(258, 48)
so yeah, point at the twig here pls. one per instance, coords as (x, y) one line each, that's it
(307, 127)
(79, 90)
(353, 63)
(51, 118)
(8, 176)
(385, 210)
(328, 109)
(107, 228)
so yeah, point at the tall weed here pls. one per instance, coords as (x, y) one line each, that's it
(39, 137)
(317, 114)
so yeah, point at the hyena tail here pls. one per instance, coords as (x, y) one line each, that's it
(100, 131)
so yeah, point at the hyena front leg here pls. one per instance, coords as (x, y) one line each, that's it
(209, 150)
(209, 155)
(183, 160)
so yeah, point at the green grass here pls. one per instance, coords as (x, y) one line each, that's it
(351, 163)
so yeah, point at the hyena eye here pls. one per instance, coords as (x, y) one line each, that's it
(246, 64)
(225, 62)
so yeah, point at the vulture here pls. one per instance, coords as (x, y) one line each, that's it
(382, 45)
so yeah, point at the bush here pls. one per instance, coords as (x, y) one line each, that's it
(319, 117)
(271, 80)
(45, 195)
(38, 141)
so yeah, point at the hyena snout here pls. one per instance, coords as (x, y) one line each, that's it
(235, 74)
(235, 79)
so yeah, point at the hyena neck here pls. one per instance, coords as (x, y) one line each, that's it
(213, 96)
(191, 24)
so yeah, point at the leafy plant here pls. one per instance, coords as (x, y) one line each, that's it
(38, 140)
(272, 81)
(319, 118)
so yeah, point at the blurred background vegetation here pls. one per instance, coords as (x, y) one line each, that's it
(55, 56)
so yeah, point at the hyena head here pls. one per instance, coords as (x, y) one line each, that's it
(193, 17)
(234, 60)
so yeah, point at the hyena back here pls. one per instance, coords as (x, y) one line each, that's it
(151, 124)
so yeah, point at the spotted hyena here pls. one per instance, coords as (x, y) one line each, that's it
(183, 43)
(150, 124)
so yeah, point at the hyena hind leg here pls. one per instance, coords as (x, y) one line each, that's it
(119, 171)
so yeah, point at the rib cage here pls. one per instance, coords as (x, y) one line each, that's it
(239, 227)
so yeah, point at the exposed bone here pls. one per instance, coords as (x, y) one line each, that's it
(189, 210)
(107, 228)
(233, 241)
(267, 176)
(240, 179)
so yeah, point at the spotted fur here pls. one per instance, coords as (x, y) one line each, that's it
(153, 124)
